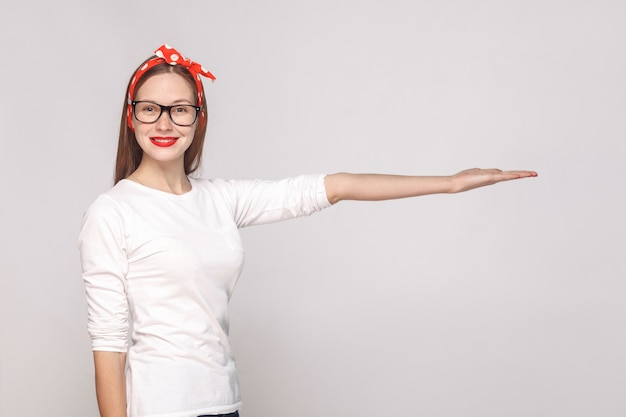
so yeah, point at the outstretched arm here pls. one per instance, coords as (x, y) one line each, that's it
(373, 187)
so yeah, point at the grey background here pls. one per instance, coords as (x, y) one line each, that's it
(506, 301)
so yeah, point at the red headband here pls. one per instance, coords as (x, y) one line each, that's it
(167, 54)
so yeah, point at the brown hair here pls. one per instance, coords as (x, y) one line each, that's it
(128, 151)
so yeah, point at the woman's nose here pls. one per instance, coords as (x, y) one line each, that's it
(164, 121)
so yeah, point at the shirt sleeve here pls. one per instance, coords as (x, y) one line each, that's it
(104, 265)
(260, 202)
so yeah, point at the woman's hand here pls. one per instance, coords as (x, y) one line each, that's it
(470, 179)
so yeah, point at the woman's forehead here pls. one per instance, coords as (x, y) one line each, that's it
(168, 86)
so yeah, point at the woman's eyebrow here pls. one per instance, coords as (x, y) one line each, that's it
(179, 101)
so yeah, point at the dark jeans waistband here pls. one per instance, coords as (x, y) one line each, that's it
(235, 414)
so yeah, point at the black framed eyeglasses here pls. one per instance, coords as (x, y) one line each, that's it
(150, 112)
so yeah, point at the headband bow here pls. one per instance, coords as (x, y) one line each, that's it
(167, 54)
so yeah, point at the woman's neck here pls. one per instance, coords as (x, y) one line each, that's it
(168, 179)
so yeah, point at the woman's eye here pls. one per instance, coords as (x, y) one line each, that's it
(147, 108)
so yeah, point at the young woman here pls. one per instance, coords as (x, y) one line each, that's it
(161, 253)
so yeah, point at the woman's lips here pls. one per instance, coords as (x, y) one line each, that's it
(163, 142)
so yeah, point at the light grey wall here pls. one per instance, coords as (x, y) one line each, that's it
(507, 301)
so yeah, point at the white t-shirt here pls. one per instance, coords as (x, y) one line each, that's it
(167, 264)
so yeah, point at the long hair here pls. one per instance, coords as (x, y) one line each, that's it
(129, 153)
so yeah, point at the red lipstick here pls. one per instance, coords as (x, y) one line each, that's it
(163, 141)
